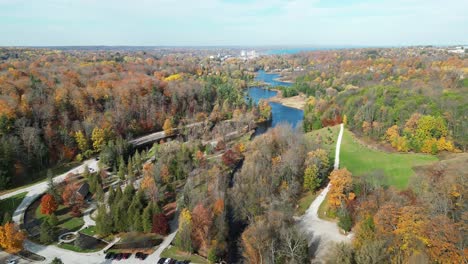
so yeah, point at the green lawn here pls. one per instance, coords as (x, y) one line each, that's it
(9, 205)
(305, 201)
(397, 168)
(72, 247)
(175, 253)
(90, 231)
(66, 220)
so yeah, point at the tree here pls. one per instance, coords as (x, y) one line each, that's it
(103, 225)
(98, 137)
(160, 224)
(372, 252)
(201, 222)
(344, 219)
(70, 194)
(147, 218)
(340, 181)
(81, 141)
(11, 238)
(52, 186)
(47, 234)
(311, 180)
(340, 253)
(48, 204)
(168, 127)
(183, 239)
(56, 261)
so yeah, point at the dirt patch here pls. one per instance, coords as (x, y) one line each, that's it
(297, 101)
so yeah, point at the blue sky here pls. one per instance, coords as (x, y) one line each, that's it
(233, 22)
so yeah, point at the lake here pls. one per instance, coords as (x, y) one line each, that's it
(280, 113)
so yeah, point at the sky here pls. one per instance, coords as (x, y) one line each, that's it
(233, 22)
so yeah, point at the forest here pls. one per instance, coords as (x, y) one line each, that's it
(58, 106)
(232, 194)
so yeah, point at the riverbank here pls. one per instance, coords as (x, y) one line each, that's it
(297, 102)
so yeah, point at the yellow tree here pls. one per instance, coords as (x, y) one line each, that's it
(82, 141)
(11, 239)
(99, 138)
(341, 182)
(167, 127)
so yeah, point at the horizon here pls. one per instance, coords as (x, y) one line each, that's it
(251, 23)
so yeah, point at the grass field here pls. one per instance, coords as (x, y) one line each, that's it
(174, 253)
(396, 168)
(305, 201)
(66, 220)
(9, 205)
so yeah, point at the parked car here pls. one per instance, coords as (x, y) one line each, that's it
(109, 255)
(172, 261)
(162, 260)
(126, 255)
(143, 256)
(118, 256)
(12, 261)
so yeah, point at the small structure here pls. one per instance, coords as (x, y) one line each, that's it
(83, 191)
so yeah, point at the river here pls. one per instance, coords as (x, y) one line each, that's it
(280, 113)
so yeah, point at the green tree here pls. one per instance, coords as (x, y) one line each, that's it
(147, 218)
(103, 225)
(46, 232)
(56, 261)
(311, 179)
(183, 239)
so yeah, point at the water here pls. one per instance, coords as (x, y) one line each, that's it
(280, 113)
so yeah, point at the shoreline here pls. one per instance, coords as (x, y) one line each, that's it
(296, 102)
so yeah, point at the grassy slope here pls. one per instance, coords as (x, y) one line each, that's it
(10, 204)
(397, 167)
(173, 252)
(360, 160)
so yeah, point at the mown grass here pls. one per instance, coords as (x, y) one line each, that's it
(65, 219)
(305, 201)
(72, 247)
(90, 231)
(359, 159)
(9, 205)
(174, 253)
(397, 168)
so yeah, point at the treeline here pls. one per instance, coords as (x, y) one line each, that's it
(55, 104)
(406, 119)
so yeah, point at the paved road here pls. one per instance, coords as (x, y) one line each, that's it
(320, 232)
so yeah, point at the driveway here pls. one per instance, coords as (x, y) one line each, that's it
(321, 233)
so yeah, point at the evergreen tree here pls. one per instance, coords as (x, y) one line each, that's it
(52, 188)
(6, 218)
(130, 171)
(46, 233)
(138, 163)
(103, 225)
(122, 171)
(110, 195)
(147, 218)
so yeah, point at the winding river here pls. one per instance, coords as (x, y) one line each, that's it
(280, 113)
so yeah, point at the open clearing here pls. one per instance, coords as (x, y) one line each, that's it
(359, 159)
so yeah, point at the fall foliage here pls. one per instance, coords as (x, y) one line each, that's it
(11, 239)
(48, 204)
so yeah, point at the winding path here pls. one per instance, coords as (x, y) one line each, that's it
(321, 233)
